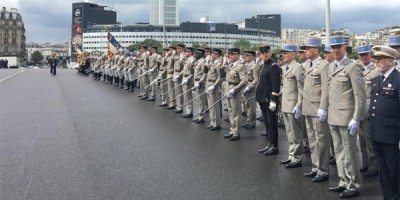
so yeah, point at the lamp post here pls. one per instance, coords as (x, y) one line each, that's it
(328, 20)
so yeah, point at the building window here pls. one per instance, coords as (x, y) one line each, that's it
(14, 23)
(14, 41)
(5, 40)
(5, 49)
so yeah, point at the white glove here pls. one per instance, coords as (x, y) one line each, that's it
(322, 114)
(272, 106)
(196, 86)
(231, 92)
(184, 82)
(246, 89)
(353, 126)
(210, 89)
(297, 112)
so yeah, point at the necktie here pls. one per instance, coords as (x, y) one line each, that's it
(311, 63)
(383, 78)
(336, 66)
(287, 67)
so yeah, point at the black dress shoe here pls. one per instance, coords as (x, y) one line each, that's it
(349, 193)
(151, 99)
(178, 111)
(228, 135)
(264, 149)
(139, 95)
(234, 138)
(171, 107)
(264, 134)
(208, 127)
(293, 165)
(337, 189)
(215, 128)
(162, 105)
(227, 120)
(143, 97)
(319, 178)
(244, 125)
(371, 173)
(195, 120)
(271, 151)
(364, 169)
(310, 174)
(249, 126)
(287, 161)
(200, 121)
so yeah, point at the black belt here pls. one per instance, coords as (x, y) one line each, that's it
(211, 80)
(177, 71)
(232, 83)
(250, 80)
(197, 79)
(186, 75)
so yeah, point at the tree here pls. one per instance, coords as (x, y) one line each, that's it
(173, 43)
(242, 44)
(36, 57)
(195, 45)
(148, 42)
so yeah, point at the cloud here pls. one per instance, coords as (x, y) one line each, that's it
(50, 20)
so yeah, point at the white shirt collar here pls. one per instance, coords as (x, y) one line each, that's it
(291, 63)
(315, 61)
(388, 73)
(340, 62)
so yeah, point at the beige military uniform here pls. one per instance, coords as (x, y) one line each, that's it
(315, 96)
(162, 73)
(200, 78)
(214, 79)
(143, 67)
(178, 67)
(292, 79)
(250, 100)
(346, 102)
(367, 152)
(187, 74)
(236, 79)
(154, 60)
(170, 76)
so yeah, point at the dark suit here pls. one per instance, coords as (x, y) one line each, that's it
(384, 119)
(269, 82)
(53, 66)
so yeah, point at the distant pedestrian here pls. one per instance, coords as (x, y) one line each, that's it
(53, 64)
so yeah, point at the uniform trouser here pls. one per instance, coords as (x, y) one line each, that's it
(272, 118)
(188, 97)
(304, 129)
(388, 159)
(201, 102)
(152, 88)
(367, 152)
(250, 107)
(215, 111)
(346, 157)
(143, 83)
(263, 109)
(171, 93)
(53, 70)
(163, 90)
(235, 113)
(295, 137)
(224, 90)
(319, 136)
(178, 91)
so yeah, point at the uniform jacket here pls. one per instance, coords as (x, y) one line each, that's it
(198, 72)
(236, 76)
(188, 69)
(269, 82)
(293, 83)
(252, 75)
(153, 61)
(178, 64)
(213, 74)
(315, 91)
(347, 95)
(369, 74)
(384, 111)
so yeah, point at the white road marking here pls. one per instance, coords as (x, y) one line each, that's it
(11, 76)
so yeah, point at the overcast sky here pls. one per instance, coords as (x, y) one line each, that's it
(50, 20)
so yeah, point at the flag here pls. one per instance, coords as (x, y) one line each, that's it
(112, 45)
(77, 49)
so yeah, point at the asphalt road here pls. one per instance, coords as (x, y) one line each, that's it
(70, 137)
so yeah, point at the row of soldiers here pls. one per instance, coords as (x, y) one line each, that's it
(327, 100)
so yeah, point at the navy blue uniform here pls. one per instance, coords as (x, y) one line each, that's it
(384, 116)
(53, 66)
(269, 83)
